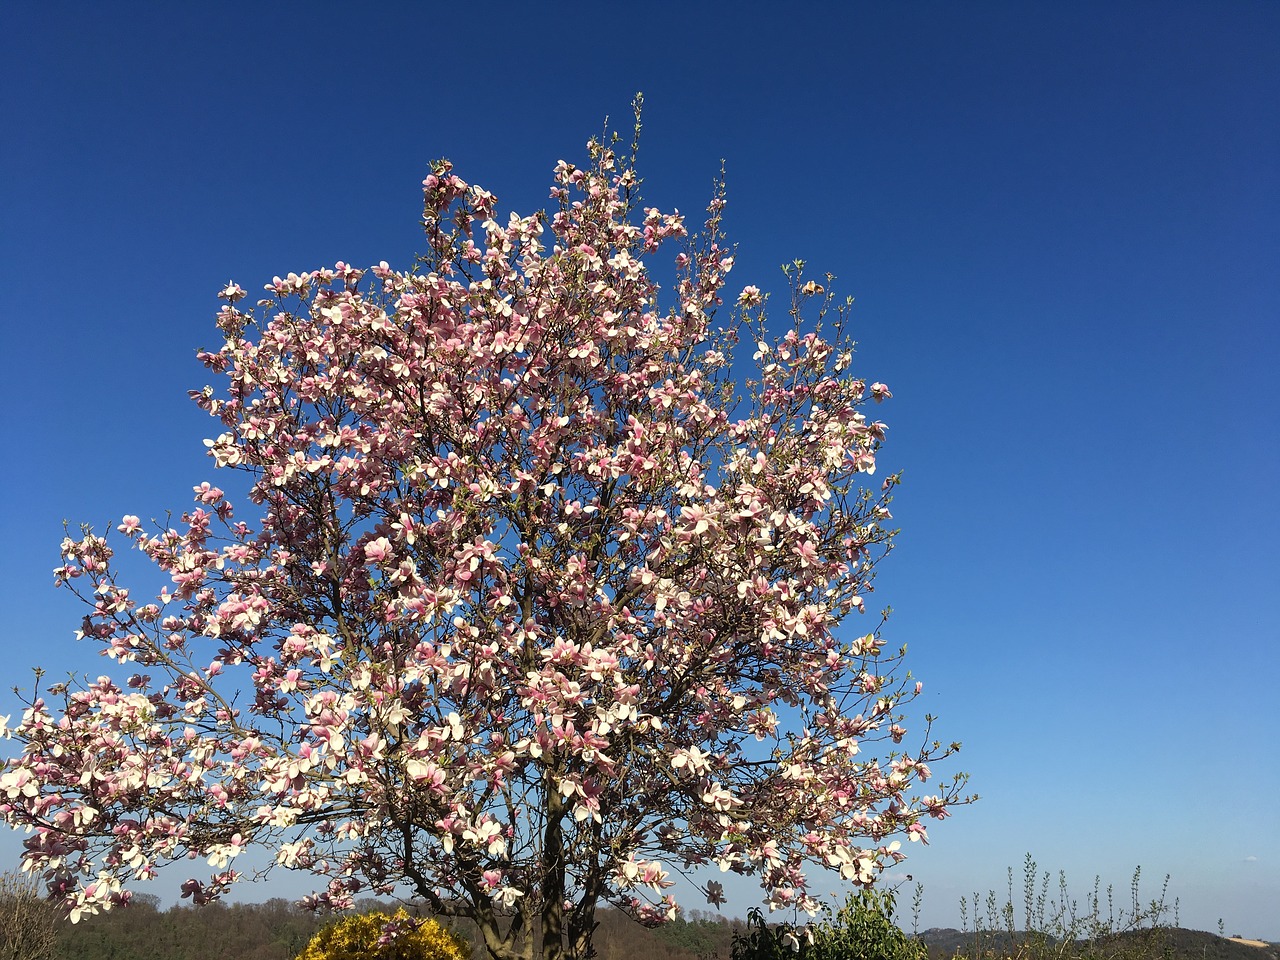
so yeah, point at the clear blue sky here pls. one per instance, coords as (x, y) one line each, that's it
(1062, 225)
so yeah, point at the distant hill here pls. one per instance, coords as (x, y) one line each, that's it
(1169, 943)
(1196, 944)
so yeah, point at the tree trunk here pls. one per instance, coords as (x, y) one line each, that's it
(553, 878)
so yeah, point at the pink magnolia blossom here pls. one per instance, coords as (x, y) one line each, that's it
(378, 550)
(527, 609)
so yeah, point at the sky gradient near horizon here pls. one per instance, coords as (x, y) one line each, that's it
(1062, 227)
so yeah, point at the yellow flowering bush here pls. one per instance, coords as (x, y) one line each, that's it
(357, 938)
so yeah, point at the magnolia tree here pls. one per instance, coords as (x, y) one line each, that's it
(530, 611)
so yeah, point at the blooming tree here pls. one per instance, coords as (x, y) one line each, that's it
(532, 612)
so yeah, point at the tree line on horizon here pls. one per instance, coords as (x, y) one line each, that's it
(279, 929)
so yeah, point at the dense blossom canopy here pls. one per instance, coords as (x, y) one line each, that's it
(533, 609)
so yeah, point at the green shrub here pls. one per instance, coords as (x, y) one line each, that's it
(366, 937)
(760, 941)
(862, 929)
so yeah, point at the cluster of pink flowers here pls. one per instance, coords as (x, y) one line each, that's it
(530, 612)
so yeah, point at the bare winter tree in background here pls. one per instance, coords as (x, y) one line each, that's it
(28, 922)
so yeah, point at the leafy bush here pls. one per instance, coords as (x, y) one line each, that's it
(385, 937)
(760, 941)
(862, 929)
